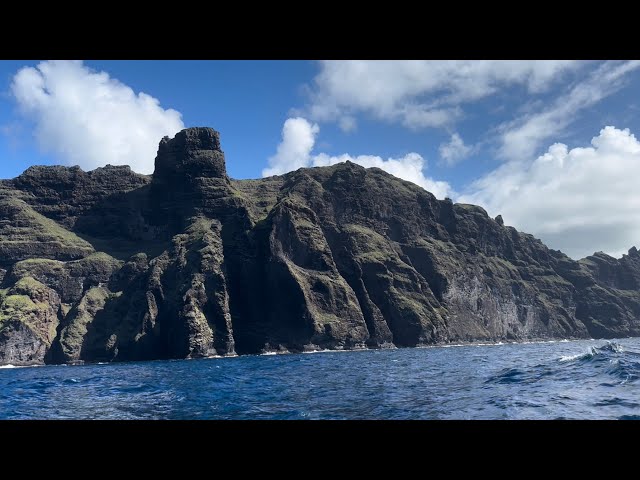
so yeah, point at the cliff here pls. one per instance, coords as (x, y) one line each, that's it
(110, 265)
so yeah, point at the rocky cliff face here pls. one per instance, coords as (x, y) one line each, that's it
(110, 265)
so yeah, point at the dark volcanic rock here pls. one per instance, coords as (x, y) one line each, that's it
(24, 233)
(64, 194)
(111, 265)
(608, 301)
(190, 177)
(28, 322)
(70, 279)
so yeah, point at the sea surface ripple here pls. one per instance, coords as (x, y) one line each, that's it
(587, 379)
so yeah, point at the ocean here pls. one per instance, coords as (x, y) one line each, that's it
(587, 379)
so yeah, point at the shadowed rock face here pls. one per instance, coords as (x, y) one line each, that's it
(28, 322)
(110, 265)
(190, 178)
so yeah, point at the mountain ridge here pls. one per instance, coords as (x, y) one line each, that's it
(188, 262)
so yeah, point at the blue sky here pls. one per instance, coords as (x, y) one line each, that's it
(525, 139)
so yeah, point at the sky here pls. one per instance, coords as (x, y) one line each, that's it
(550, 145)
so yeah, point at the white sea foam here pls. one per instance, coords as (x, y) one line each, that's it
(570, 358)
(492, 344)
(595, 350)
(19, 366)
(326, 350)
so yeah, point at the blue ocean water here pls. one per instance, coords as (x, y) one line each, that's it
(589, 379)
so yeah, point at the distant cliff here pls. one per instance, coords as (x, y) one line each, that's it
(111, 265)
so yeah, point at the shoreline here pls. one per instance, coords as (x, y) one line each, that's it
(318, 350)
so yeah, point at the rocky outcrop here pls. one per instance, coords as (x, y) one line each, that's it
(190, 178)
(28, 321)
(608, 300)
(70, 279)
(110, 265)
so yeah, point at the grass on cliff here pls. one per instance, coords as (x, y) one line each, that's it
(79, 317)
(16, 303)
(28, 284)
(375, 247)
(38, 266)
(260, 195)
(22, 224)
(96, 261)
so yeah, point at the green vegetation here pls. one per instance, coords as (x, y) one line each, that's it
(97, 261)
(28, 285)
(373, 247)
(198, 227)
(20, 302)
(409, 303)
(502, 267)
(260, 196)
(14, 305)
(29, 262)
(362, 230)
(79, 317)
(25, 230)
(41, 228)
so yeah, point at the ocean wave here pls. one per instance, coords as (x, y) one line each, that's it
(571, 358)
(594, 351)
(611, 359)
(608, 360)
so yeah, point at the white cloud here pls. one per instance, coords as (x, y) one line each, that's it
(521, 138)
(422, 93)
(576, 200)
(454, 150)
(298, 140)
(89, 119)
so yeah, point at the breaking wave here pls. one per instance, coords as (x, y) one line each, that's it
(611, 362)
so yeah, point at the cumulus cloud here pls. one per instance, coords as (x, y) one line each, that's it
(422, 93)
(454, 150)
(89, 119)
(521, 138)
(577, 200)
(298, 140)
(294, 151)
